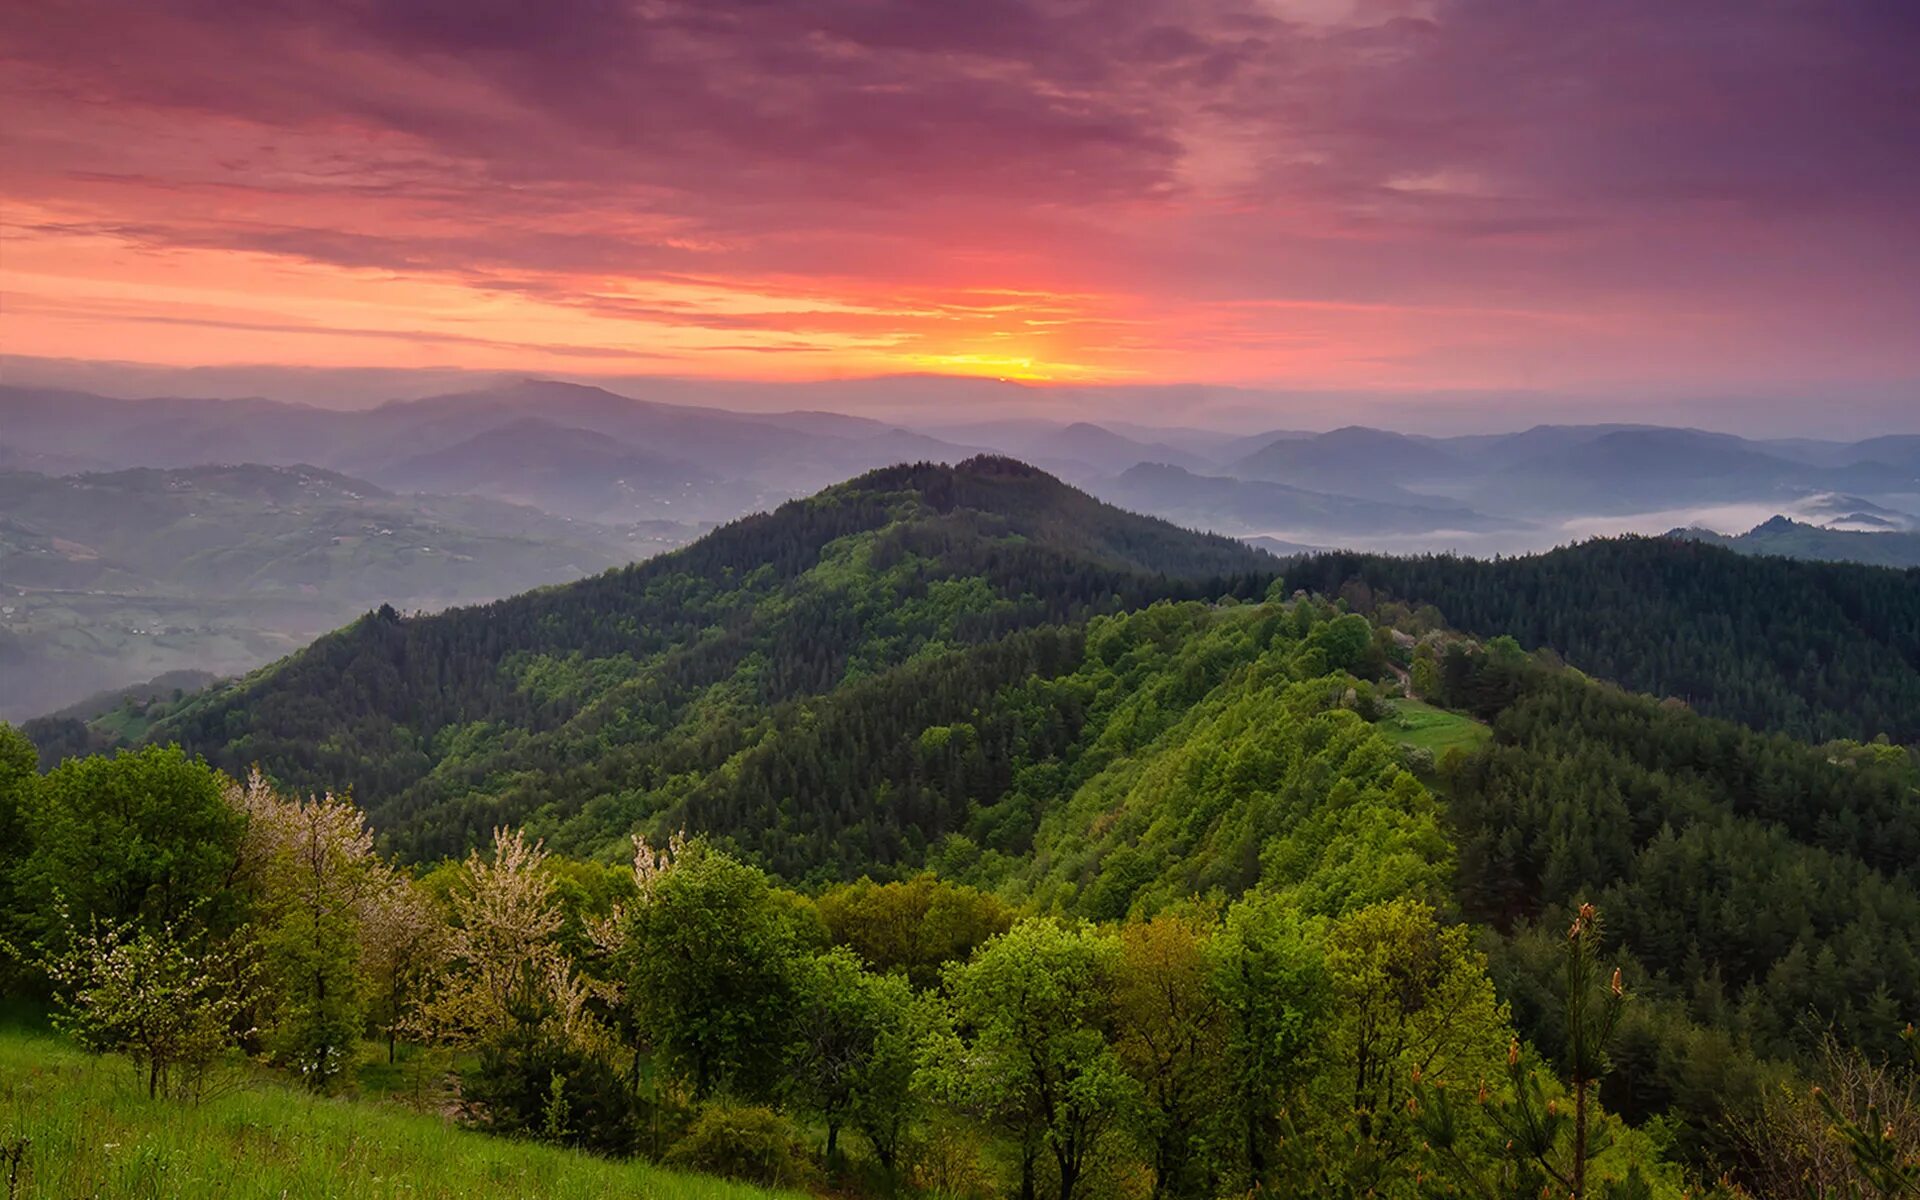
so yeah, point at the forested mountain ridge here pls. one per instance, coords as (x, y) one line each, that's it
(596, 705)
(465, 706)
(1817, 650)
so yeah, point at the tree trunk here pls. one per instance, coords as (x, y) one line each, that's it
(1579, 1139)
(1256, 1153)
(833, 1140)
(1166, 1165)
(1069, 1172)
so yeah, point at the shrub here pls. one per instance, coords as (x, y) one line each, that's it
(532, 1082)
(745, 1142)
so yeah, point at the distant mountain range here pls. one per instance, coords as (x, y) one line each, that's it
(1220, 503)
(139, 536)
(588, 453)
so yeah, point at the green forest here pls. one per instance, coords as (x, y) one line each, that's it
(952, 834)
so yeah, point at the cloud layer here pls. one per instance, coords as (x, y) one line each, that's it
(1353, 193)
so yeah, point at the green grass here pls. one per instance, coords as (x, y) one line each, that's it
(94, 1133)
(1419, 724)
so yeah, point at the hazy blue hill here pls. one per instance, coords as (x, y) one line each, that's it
(1646, 469)
(1898, 450)
(781, 453)
(573, 472)
(1795, 539)
(1102, 451)
(794, 452)
(1235, 449)
(1492, 450)
(1280, 548)
(1257, 506)
(1351, 459)
(164, 431)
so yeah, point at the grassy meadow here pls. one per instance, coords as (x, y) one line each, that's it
(1421, 725)
(90, 1131)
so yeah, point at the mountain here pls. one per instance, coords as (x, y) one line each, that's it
(1237, 448)
(1095, 450)
(1281, 549)
(1896, 450)
(117, 577)
(163, 431)
(1081, 451)
(1836, 510)
(782, 454)
(445, 724)
(1492, 450)
(1250, 506)
(1350, 460)
(1795, 539)
(1640, 470)
(574, 473)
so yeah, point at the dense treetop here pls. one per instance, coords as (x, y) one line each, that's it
(1818, 650)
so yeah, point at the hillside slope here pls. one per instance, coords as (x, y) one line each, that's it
(1817, 650)
(88, 1131)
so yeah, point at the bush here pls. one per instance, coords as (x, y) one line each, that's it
(531, 1082)
(745, 1142)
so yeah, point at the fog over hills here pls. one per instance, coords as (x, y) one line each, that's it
(115, 530)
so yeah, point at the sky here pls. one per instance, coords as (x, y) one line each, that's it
(1636, 199)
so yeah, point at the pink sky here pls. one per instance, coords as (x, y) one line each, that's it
(1351, 194)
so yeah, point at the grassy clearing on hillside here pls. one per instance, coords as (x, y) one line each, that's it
(1419, 724)
(94, 1133)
